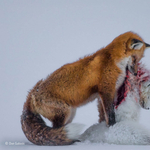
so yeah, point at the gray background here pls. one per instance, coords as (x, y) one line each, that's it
(39, 36)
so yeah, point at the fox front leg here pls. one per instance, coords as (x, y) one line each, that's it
(108, 108)
(101, 111)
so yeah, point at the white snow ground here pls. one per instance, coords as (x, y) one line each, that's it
(37, 37)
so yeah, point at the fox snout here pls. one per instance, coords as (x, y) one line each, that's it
(133, 69)
(133, 65)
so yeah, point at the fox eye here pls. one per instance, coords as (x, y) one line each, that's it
(136, 41)
(136, 44)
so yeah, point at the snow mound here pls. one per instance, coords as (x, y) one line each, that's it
(122, 133)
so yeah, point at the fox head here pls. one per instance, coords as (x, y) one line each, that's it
(129, 45)
(136, 47)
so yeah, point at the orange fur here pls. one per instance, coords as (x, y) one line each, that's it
(75, 84)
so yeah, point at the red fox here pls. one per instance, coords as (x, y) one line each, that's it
(96, 76)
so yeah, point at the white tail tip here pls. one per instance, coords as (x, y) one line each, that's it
(74, 130)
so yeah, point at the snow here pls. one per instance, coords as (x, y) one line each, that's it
(122, 133)
(37, 37)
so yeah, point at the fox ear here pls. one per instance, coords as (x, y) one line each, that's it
(136, 44)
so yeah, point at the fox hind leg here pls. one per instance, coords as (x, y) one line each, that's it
(63, 117)
(71, 116)
(55, 110)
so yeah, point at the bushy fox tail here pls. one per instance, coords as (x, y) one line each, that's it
(39, 133)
